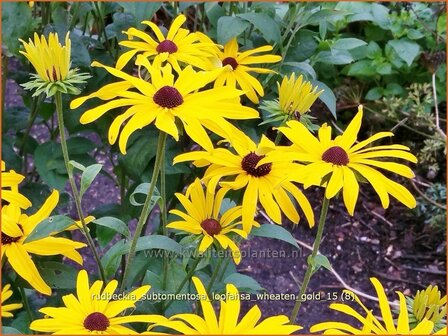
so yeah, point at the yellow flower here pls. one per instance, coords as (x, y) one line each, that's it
(52, 63)
(163, 99)
(339, 162)
(296, 96)
(427, 304)
(237, 68)
(7, 309)
(370, 324)
(179, 46)
(93, 311)
(191, 324)
(202, 218)
(10, 188)
(15, 229)
(268, 183)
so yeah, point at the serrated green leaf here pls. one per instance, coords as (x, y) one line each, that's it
(407, 50)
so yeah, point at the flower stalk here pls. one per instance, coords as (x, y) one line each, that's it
(146, 206)
(77, 199)
(310, 268)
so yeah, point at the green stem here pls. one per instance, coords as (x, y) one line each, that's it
(310, 269)
(163, 215)
(59, 111)
(102, 28)
(214, 275)
(26, 304)
(146, 207)
(184, 281)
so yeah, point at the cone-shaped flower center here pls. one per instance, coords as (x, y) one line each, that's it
(167, 46)
(230, 60)
(211, 226)
(336, 155)
(168, 97)
(249, 164)
(96, 322)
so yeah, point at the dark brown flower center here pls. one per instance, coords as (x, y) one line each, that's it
(167, 46)
(211, 226)
(230, 60)
(8, 239)
(96, 322)
(336, 155)
(249, 164)
(168, 97)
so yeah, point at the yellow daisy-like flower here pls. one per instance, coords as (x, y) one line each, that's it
(93, 311)
(268, 183)
(163, 99)
(191, 324)
(8, 308)
(15, 229)
(202, 218)
(52, 63)
(10, 188)
(370, 324)
(238, 67)
(179, 46)
(341, 160)
(296, 96)
(295, 100)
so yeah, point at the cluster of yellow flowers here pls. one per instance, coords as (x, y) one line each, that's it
(185, 79)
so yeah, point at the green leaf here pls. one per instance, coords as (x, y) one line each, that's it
(114, 224)
(348, 43)
(320, 261)
(17, 22)
(230, 27)
(49, 226)
(139, 153)
(143, 189)
(374, 93)
(244, 282)
(112, 257)
(394, 89)
(88, 176)
(327, 97)
(141, 10)
(274, 231)
(361, 68)
(441, 24)
(58, 275)
(302, 67)
(10, 331)
(335, 56)
(265, 24)
(214, 11)
(373, 50)
(121, 22)
(405, 49)
(384, 69)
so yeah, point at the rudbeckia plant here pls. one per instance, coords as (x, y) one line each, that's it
(206, 168)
